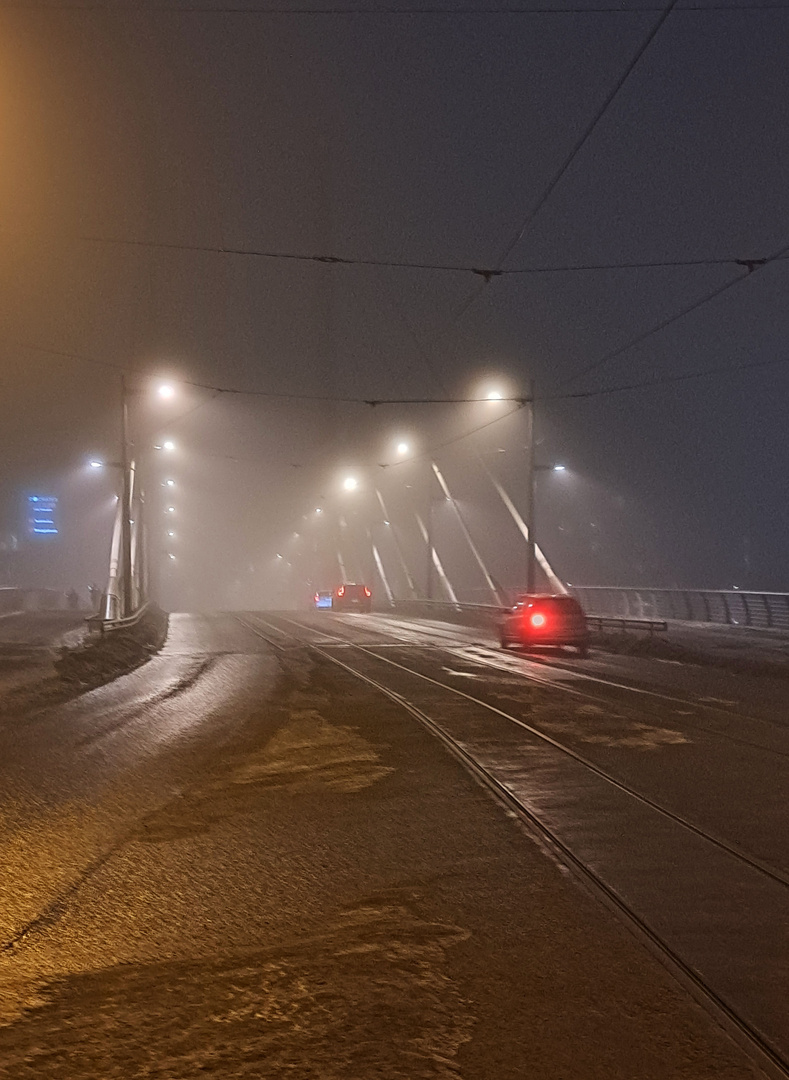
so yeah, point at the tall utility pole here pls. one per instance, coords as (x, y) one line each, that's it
(531, 449)
(126, 506)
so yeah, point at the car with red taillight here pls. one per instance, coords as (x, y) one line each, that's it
(545, 620)
(352, 597)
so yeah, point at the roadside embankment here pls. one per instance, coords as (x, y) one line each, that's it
(100, 658)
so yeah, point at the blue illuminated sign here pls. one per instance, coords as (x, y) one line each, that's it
(42, 515)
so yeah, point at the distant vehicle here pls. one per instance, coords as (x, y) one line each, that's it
(323, 599)
(352, 597)
(545, 620)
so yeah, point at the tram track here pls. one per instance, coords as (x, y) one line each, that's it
(771, 1054)
(777, 875)
(495, 661)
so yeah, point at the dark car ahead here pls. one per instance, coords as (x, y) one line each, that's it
(545, 620)
(352, 597)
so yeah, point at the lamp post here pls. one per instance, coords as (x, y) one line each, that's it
(531, 562)
(126, 504)
(128, 477)
(430, 537)
(531, 501)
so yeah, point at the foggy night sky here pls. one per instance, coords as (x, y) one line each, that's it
(419, 138)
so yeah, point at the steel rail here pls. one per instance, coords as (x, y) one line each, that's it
(746, 1035)
(775, 874)
(585, 676)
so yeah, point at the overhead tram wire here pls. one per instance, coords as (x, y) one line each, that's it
(585, 135)
(321, 464)
(273, 395)
(750, 268)
(575, 150)
(519, 401)
(488, 273)
(401, 264)
(664, 380)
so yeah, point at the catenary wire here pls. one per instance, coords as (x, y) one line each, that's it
(402, 264)
(663, 380)
(575, 150)
(613, 354)
(518, 401)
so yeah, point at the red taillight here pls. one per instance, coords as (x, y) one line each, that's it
(367, 591)
(341, 591)
(317, 597)
(537, 619)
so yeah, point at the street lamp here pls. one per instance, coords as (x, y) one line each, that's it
(403, 448)
(350, 483)
(165, 391)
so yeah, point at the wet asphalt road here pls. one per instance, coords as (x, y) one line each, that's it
(239, 861)
(677, 803)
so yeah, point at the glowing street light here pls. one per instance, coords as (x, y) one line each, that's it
(170, 483)
(171, 556)
(96, 464)
(170, 509)
(350, 483)
(494, 395)
(403, 448)
(560, 468)
(168, 444)
(166, 391)
(171, 533)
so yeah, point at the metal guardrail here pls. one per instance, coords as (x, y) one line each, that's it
(458, 605)
(485, 614)
(613, 622)
(98, 625)
(729, 607)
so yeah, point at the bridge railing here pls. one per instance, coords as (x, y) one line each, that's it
(489, 616)
(728, 607)
(102, 624)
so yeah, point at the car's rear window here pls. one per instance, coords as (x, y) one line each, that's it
(565, 604)
(562, 605)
